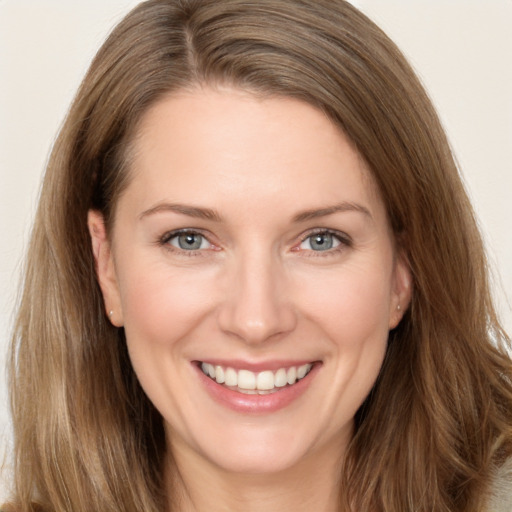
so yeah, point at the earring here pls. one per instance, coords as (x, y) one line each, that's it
(110, 313)
(399, 308)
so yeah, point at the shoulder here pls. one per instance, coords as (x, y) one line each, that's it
(501, 493)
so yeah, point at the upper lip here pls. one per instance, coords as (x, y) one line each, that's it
(272, 365)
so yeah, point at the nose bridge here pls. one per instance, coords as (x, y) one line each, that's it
(257, 305)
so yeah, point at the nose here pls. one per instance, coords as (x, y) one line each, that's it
(257, 305)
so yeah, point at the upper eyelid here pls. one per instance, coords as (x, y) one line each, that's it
(165, 239)
(164, 242)
(340, 235)
(176, 232)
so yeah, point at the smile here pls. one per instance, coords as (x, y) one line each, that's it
(261, 383)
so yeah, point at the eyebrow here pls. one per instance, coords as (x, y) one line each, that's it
(329, 210)
(183, 209)
(212, 215)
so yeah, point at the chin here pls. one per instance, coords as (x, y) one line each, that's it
(254, 448)
(258, 458)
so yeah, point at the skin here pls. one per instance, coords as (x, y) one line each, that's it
(257, 290)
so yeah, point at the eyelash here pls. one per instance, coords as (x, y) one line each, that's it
(343, 239)
(167, 237)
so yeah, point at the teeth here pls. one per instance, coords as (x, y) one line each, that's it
(301, 371)
(246, 379)
(291, 375)
(280, 379)
(231, 377)
(265, 381)
(219, 374)
(256, 383)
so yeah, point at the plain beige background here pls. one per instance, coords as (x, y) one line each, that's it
(462, 50)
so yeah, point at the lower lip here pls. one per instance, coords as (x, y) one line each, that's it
(256, 404)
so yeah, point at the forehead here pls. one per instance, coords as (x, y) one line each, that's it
(220, 146)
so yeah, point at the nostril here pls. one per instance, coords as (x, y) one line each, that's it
(256, 324)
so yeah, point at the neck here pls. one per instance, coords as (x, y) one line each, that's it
(197, 485)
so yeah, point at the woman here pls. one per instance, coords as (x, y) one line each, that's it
(255, 281)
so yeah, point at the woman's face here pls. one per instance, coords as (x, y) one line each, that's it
(251, 245)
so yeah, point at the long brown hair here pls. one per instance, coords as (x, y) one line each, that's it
(439, 419)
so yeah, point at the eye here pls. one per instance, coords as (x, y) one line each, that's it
(319, 242)
(188, 241)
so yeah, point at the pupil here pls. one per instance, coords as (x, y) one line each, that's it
(322, 242)
(190, 241)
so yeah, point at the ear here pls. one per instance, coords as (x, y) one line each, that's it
(401, 291)
(105, 268)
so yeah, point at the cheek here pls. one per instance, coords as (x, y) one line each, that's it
(352, 304)
(160, 305)
(353, 312)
